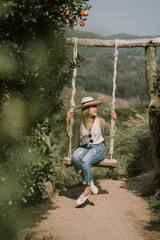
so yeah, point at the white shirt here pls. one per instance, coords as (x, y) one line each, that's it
(95, 136)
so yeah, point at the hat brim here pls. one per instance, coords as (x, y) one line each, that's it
(94, 103)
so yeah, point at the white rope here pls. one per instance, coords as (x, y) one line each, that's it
(72, 102)
(113, 127)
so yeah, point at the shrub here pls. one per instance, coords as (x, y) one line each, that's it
(23, 176)
(132, 146)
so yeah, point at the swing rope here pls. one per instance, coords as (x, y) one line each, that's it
(72, 102)
(113, 127)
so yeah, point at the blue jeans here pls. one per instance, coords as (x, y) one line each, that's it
(83, 158)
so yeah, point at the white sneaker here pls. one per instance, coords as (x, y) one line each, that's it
(93, 188)
(82, 199)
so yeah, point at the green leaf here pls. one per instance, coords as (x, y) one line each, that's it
(24, 200)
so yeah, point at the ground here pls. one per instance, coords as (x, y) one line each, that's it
(118, 212)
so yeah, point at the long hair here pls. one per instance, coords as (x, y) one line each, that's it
(85, 114)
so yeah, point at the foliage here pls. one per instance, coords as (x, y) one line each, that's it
(34, 68)
(154, 202)
(35, 65)
(21, 20)
(132, 146)
(47, 164)
(23, 180)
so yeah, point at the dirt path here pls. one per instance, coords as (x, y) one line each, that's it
(116, 213)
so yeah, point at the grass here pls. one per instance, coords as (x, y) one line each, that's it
(154, 203)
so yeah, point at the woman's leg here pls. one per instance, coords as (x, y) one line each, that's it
(95, 154)
(77, 157)
(83, 160)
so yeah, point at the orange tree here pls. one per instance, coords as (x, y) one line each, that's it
(32, 42)
(34, 69)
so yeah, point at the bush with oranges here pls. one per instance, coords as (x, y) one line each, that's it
(38, 16)
(79, 18)
(35, 70)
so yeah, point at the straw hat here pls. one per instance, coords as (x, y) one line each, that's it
(88, 101)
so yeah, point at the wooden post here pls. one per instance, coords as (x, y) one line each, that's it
(154, 110)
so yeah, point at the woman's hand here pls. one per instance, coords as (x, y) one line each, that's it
(114, 116)
(69, 115)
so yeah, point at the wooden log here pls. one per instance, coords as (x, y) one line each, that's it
(154, 110)
(128, 43)
(104, 163)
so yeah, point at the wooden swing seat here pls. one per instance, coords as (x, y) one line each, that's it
(104, 163)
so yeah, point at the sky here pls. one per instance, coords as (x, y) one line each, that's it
(135, 17)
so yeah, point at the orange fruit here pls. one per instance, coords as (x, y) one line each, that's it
(75, 17)
(80, 13)
(85, 13)
(82, 23)
(66, 12)
(63, 17)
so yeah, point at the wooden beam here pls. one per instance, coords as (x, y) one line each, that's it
(128, 43)
(107, 163)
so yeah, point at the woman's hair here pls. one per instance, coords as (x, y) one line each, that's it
(85, 114)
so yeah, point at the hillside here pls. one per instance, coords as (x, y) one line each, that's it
(96, 71)
(87, 34)
(98, 96)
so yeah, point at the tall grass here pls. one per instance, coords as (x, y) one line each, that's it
(133, 146)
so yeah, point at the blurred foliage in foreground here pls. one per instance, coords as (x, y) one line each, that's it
(34, 161)
(34, 62)
(34, 68)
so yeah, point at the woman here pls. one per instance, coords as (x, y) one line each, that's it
(91, 143)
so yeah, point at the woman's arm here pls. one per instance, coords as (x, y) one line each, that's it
(69, 115)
